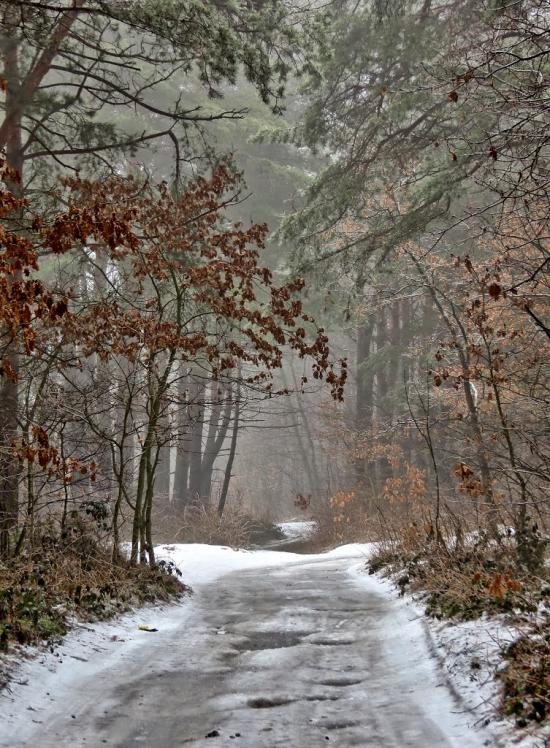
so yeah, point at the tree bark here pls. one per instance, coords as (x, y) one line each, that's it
(231, 456)
(217, 431)
(196, 413)
(364, 392)
(181, 476)
(9, 390)
(164, 467)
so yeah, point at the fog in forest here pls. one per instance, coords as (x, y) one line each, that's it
(266, 262)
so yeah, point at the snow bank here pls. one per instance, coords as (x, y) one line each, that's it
(201, 564)
(295, 529)
(91, 651)
(404, 643)
(469, 654)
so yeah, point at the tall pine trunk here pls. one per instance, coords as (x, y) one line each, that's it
(183, 449)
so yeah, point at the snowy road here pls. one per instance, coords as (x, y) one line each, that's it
(302, 654)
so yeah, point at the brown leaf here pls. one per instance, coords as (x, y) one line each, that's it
(494, 290)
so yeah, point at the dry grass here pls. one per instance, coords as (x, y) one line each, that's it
(463, 583)
(62, 576)
(342, 520)
(485, 577)
(526, 680)
(200, 524)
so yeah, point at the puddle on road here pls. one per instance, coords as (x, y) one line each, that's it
(268, 702)
(258, 640)
(340, 682)
(331, 640)
(341, 724)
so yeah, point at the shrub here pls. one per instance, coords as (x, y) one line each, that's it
(72, 574)
(526, 680)
(197, 523)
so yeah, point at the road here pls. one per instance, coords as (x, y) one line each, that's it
(301, 655)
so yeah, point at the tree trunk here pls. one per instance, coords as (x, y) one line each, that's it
(209, 452)
(232, 453)
(163, 472)
(217, 431)
(183, 450)
(309, 448)
(383, 408)
(364, 393)
(9, 391)
(102, 383)
(196, 412)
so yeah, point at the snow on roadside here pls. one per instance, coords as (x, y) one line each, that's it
(294, 529)
(470, 655)
(90, 649)
(405, 648)
(201, 563)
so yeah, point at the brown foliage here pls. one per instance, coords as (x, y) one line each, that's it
(178, 281)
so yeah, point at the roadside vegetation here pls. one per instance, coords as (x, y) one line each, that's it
(210, 213)
(487, 577)
(199, 524)
(70, 576)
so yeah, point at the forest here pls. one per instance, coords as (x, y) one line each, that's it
(265, 261)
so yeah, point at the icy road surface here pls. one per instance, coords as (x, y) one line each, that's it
(300, 654)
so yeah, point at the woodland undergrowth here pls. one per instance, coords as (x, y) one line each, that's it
(197, 523)
(71, 574)
(484, 576)
(461, 570)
